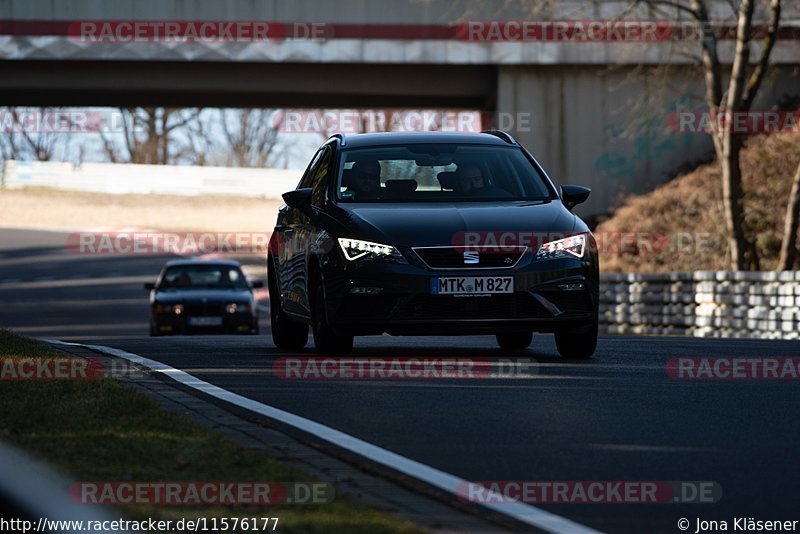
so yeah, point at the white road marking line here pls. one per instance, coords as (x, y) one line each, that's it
(524, 513)
(104, 281)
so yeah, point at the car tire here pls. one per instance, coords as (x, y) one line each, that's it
(286, 334)
(326, 341)
(579, 343)
(515, 341)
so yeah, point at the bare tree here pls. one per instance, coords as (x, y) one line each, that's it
(250, 136)
(789, 242)
(149, 135)
(734, 98)
(40, 134)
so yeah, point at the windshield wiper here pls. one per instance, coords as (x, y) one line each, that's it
(536, 202)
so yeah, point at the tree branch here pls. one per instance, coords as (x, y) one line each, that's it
(741, 57)
(760, 71)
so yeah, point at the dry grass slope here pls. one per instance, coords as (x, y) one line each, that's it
(691, 205)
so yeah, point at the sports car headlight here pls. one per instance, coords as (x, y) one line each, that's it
(569, 247)
(355, 249)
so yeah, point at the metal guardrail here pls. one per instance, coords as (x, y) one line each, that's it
(121, 178)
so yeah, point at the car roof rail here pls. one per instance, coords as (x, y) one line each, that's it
(340, 137)
(505, 136)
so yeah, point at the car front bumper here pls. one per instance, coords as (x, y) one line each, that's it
(549, 296)
(166, 324)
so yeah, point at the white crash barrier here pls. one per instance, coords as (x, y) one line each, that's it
(702, 304)
(123, 178)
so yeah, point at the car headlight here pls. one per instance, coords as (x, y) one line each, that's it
(569, 247)
(355, 249)
(177, 309)
(236, 307)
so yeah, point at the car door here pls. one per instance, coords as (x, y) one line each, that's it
(291, 252)
(308, 227)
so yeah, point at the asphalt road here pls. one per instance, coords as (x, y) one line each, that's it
(617, 417)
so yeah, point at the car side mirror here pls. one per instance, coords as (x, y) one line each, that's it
(299, 198)
(572, 195)
(257, 284)
(149, 286)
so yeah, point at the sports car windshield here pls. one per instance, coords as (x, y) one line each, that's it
(203, 277)
(438, 173)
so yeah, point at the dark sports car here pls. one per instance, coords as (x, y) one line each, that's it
(431, 234)
(202, 297)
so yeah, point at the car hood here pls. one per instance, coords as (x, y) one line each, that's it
(198, 295)
(436, 224)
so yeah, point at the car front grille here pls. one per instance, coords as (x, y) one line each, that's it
(470, 257)
(200, 309)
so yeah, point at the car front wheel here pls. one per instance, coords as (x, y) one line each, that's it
(286, 333)
(578, 343)
(326, 341)
(515, 340)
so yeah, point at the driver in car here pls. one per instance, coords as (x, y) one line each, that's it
(472, 183)
(366, 180)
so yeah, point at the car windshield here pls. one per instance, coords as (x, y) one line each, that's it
(437, 172)
(203, 276)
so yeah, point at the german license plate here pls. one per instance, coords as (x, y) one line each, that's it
(472, 285)
(205, 321)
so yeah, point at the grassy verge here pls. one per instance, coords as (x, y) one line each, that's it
(99, 431)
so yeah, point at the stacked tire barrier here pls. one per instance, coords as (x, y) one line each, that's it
(702, 304)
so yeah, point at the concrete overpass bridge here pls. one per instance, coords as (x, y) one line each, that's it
(572, 101)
